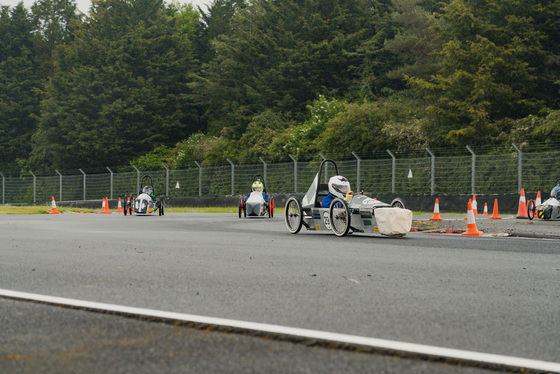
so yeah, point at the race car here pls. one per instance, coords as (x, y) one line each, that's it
(346, 213)
(550, 208)
(257, 203)
(146, 201)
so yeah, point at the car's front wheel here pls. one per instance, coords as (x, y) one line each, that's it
(339, 217)
(293, 215)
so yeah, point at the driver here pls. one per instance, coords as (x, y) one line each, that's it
(338, 187)
(555, 192)
(148, 190)
(258, 187)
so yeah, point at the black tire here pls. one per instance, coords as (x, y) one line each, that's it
(531, 209)
(240, 206)
(271, 206)
(125, 206)
(339, 217)
(293, 216)
(399, 203)
(162, 209)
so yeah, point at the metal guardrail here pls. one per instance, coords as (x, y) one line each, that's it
(430, 174)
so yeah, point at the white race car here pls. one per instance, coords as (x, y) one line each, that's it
(257, 203)
(348, 214)
(550, 208)
(146, 201)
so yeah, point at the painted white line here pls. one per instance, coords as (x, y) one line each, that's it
(379, 344)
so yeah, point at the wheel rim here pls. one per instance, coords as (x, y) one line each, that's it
(293, 216)
(339, 217)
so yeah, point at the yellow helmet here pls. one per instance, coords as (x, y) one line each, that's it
(258, 186)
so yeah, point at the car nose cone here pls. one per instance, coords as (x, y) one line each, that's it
(254, 209)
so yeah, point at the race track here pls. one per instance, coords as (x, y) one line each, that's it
(492, 294)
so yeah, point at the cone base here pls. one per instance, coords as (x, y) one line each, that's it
(495, 217)
(522, 217)
(436, 219)
(53, 212)
(477, 233)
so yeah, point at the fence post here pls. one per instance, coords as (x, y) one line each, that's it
(166, 179)
(295, 172)
(59, 184)
(519, 167)
(111, 190)
(232, 176)
(34, 187)
(137, 178)
(393, 170)
(473, 170)
(199, 178)
(433, 171)
(3, 189)
(264, 163)
(358, 165)
(84, 183)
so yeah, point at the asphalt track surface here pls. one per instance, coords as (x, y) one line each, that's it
(496, 295)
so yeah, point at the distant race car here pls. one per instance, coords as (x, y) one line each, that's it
(346, 213)
(550, 208)
(146, 201)
(257, 203)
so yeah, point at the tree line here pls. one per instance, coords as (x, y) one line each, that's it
(142, 81)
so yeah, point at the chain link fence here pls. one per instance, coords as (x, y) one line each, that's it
(444, 171)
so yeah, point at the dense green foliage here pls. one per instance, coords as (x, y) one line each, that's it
(143, 82)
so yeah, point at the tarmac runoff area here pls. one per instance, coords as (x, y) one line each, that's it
(509, 225)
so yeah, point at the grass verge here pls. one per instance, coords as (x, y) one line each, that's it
(8, 209)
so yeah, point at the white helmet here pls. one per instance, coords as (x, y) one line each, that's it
(555, 192)
(339, 186)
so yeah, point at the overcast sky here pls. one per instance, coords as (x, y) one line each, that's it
(84, 5)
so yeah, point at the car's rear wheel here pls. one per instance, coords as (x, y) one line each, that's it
(339, 217)
(399, 203)
(531, 209)
(270, 207)
(293, 215)
(240, 206)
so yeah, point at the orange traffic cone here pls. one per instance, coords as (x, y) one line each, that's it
(467, 216)
(485, 213)
(436, 216)
(471, 223)
(119, 208)
(105, 207)
(538, 202)
(495, 214)
(133, 199)
(53, 206)
(522, 211)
